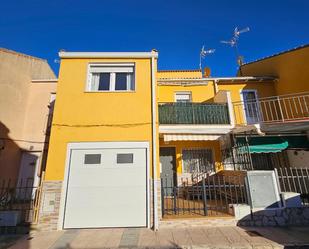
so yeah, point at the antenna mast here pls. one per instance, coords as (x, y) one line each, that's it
(233, 42)
(204, 53)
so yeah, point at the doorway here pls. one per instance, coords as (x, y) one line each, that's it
(168, 168)
(251, 108)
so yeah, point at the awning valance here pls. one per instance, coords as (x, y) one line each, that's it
(273, 144)
(265, 144)
(190, 137)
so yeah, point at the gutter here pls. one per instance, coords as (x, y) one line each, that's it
(154, 139)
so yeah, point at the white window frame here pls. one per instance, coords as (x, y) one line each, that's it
(243, 102)
(183, 93)
(198, 148)
(111, 68)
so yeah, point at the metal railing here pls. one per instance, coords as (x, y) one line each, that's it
(294, 180)
(21, 196)
(284, 108)
(210, 196)
(193, 113)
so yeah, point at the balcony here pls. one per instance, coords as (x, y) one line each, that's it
(194, 114)
(292, 108)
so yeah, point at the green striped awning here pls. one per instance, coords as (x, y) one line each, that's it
(272, 144)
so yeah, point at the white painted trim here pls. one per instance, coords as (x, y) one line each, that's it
(232, 79)
(134, 55)
(112, 78)
(101, 145)
(154, 143)
(230, 108)
(195, 129)
(182, 92)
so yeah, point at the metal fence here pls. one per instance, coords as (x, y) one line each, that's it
(210, 196)
(282, 108)
(294, 180)
(193, 113)
(237, 157)
(20, 196)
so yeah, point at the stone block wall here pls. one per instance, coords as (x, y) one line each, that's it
(298, 216)
(50, 205)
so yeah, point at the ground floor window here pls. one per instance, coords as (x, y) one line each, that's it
(197, 160)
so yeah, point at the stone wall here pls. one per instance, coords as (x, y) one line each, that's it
(277, 217)
(50, 205)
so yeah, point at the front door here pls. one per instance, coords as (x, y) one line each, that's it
(28, 178)
(168, 168)
(251, 108)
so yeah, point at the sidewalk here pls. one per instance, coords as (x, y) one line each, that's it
(199, 237)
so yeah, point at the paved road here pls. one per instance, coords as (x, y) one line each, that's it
(199, 237)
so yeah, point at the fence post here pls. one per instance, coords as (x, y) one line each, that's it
(162, 197)
(204, 196)
(277, 180)
(280, 108)
(175, 201)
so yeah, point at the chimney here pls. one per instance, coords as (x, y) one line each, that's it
(206, 72)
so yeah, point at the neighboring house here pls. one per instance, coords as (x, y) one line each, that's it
(286, 112)
(27, 90)
(127, 140)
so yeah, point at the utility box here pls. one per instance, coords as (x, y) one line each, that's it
(262, 189)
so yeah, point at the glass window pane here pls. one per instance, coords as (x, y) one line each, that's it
(92, 159)
(125, 158)
(121, 81)
(104, 82)
(197, 161)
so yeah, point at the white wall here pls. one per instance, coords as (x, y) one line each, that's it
(298, 158)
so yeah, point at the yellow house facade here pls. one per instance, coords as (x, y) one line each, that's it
(122, 129)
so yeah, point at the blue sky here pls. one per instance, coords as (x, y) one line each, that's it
(177, 29)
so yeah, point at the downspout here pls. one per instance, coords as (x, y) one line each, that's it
(154, 140)
(216, 90)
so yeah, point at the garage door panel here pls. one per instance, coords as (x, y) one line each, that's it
(106, 188)
(109, 177)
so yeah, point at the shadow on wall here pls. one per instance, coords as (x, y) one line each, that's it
(10, 155)
(293, 214)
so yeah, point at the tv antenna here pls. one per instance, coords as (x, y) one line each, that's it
(204, 53)
(233, 42)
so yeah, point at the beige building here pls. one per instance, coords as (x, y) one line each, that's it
(27, 93)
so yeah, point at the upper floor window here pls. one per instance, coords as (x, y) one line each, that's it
(183, 97)
(111, 77)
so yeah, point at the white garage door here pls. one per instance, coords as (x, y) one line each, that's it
(106, 188)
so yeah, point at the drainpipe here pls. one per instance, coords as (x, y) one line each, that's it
(216, 86)
(154, 139)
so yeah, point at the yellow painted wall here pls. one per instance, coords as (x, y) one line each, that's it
(264, 89)
(179, 74)
(97, 116)
(291, 68)
(180, 145)
(199, 93)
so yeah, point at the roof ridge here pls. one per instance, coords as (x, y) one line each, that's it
(21, 54)
(277, 54)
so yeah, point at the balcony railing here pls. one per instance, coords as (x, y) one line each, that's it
(193, 113)
(276, 109)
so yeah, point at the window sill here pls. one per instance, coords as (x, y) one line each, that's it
(109, 91)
